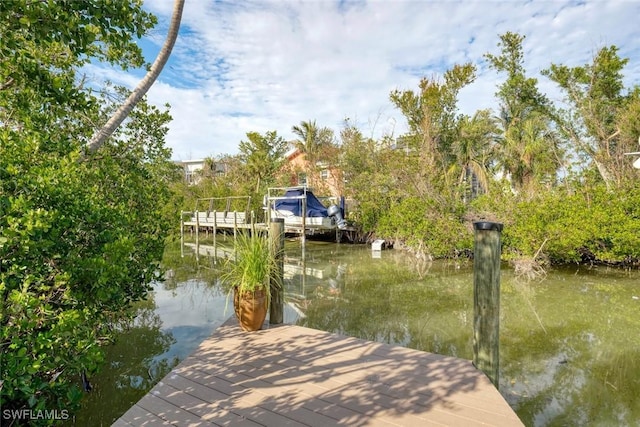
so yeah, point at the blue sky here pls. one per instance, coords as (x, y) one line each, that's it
(243, 66)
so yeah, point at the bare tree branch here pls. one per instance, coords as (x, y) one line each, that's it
(6, 84)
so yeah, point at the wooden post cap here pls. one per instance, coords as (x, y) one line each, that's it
(486, 225)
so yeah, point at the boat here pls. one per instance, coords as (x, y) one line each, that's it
(301, 209)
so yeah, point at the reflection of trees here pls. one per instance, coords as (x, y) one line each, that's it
(442, 320)
(179, 269)
(388, 301)
(573, 388)
(360, 309)
(570, 351)
(611, 391)
(132, 367)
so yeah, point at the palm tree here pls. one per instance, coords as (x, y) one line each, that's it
(471, 150)
(529, 151)
(121, 113)
(312, 140)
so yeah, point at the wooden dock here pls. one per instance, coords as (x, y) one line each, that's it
(294, 376)
(232, 213)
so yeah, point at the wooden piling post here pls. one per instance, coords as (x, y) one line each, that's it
(276, 246)
(182, 234)
(303, 238)
(253, 223)
(206, 229)
(197, 234)
(486, 299)
(215, 235)
(235, 226)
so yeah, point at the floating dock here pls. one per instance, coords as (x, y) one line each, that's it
(289, 375)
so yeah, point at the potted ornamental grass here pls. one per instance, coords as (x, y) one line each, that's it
(250, 274)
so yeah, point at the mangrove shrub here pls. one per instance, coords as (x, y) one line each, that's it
(80, 234)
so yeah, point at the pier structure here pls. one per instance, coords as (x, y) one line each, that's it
(234, 214)
(289, 375)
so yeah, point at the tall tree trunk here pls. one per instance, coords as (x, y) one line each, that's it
(605, 173)
(118, 117)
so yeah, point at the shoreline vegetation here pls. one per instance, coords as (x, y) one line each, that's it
(598, 227)
(555, 174)
(83, 227)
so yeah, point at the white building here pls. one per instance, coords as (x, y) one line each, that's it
(193, 167)
(190, 167)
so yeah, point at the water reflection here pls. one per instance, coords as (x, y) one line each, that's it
(131, 367)
(179, 314)
(569, 343)
(570, 350)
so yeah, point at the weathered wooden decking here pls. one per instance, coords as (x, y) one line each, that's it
(295, 376)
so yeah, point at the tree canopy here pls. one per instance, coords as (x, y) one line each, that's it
(80, 237)
(529, 163)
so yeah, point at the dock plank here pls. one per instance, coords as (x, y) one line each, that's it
(291, 375)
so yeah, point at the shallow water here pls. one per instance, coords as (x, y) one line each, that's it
(569, 354)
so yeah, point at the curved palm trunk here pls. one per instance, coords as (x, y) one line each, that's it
(118, 117)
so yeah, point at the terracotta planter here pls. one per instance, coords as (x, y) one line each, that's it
(250, 308)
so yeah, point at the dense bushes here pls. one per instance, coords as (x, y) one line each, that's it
(78, 243)
(425, 226)
(557, 226)
(81, 234)
(594, 225)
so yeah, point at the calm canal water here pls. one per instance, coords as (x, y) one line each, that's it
(570, 347)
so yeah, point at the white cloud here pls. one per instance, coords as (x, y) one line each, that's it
(267, 65)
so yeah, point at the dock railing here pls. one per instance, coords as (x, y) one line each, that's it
(222, 210)
(215, 213)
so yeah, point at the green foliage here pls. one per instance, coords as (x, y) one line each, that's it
(80, 237)
(599, 113)
(79, 243)
(88, 30)
(589, 226)
(432, 177)
(249, 173)
(232, 183)
(252, 266)
(528, 149)
(412, 211)
(423, 224)
(434, 107)
(262, 156)
(471, 153)
(365, 179)
(313, 140)
(519, 94)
